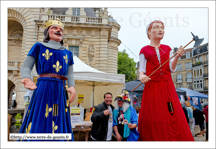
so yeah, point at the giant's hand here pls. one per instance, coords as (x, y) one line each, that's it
(29, 84)
(180, 52)
(144, 78)
(72, 93)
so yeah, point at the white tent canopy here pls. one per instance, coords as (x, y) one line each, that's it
(91, 84)
(83, 71)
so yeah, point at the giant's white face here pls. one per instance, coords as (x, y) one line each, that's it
(55, 33)
(157, 31)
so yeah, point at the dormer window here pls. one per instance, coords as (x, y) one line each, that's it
(76, 11)
(198, 51)
(188, 55)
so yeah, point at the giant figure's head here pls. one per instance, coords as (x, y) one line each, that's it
(155, 30)
(53, 31)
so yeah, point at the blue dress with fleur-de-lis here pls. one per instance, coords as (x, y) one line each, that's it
(48, 111)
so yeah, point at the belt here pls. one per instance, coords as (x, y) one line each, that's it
(53, 75)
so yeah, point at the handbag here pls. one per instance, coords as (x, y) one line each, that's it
(170, 107)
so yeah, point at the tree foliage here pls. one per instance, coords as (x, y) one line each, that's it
(126, 66)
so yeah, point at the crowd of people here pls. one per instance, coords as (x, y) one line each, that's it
(195, 116)
(161, 117)
(122, 119)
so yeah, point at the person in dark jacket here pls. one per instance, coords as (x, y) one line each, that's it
(199, 119)
(185, 111)
(102, 121)
(205, 111)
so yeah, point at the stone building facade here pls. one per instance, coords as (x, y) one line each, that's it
(192, 69)
(89, 33)
(183, 77)
(200, 68)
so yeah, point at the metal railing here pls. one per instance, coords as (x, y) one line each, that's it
(200, 63)
(205, 62)
(189, 80)
(178, 80)
(196, 64)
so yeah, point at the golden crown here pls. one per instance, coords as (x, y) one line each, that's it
(53, 22)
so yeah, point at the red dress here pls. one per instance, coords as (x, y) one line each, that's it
(155, 121)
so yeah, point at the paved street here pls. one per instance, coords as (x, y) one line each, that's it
(197, 131)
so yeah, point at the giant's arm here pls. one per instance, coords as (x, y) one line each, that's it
(26, 73)
(70, 76)
(142, 69)
(27, 67)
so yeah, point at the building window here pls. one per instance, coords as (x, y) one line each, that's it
(197, 72)
(76, 11)
(188, 55)
(186, 65)
(200, 59)
(190, 65)
(179, 77)
(195, 85)
(180, 67)
(201, 72)
(201, 84)
(198, 84)
(197, 59)
(189, 85)
(189, 76)
(74, 50)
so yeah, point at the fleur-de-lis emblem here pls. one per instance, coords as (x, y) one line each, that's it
(47, 54)
(54, 127)
(66, 58)
(57, 66)
(47, 111)
(66, 110)
(28, 128)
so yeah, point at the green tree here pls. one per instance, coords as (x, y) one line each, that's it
(126, 66)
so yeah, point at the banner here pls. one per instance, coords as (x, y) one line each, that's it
(80, 98)
(195, 100)
(77, 114)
